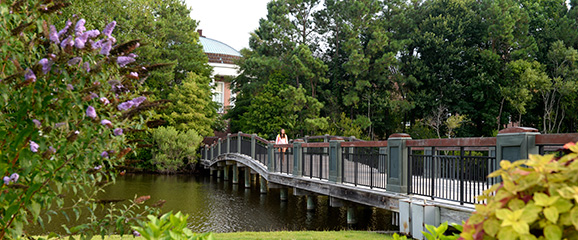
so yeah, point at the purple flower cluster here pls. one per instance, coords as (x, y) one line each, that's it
(90, 112)
(37, 123)
(106, 122)
(104, 154)
(107, 31)
(98, 167)
(104, 101)
(13, 178)
(132, 103)
(123, 61)
(34, 146)
(29, 75)
(46, 65)
(117, 131)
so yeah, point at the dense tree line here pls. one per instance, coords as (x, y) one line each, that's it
(372, 68)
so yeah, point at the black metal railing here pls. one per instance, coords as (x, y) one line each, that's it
(233, 147)
(246, 146)
(315, 162)
(261, 152)
(283, 159)
(455, 174)
(364, 166)
(215, 151)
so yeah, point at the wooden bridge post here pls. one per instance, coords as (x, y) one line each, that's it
(228, 143)
(253, 142)
(297, 154)
(335, 160)
(397, 169)
(270, 157)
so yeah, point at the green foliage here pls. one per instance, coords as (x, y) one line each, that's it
(191, 106)
(55, 145)
(537, 199)
(346, 127)
(174, 148)
(169, 226)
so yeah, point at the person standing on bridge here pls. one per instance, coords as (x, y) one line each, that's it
(282, 139)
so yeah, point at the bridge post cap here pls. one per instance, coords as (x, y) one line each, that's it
(518, 130)
(400, 135)
(228, 134)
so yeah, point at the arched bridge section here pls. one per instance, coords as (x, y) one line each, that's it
(427, 181)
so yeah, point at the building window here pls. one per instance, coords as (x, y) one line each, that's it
(219, 95)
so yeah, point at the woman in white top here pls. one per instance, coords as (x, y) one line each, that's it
(282, 139)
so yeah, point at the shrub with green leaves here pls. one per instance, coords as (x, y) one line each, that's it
(537, 199)
(174, 148)
(170, 227)
(67, 97)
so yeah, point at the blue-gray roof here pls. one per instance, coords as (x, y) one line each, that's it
(214, 46)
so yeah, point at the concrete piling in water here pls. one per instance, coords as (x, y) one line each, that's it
(284, 194)
(263, 185)
(310, 202)
(226, 173)
(235, 174)
(247, 177)
(218, 173)
(351, 215)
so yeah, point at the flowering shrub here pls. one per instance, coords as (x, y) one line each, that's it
(66, 98)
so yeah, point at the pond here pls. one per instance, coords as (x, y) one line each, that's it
(216, 205)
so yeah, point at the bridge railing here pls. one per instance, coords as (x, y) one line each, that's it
(548, 143)
(365, 163)
(315, 160)
(283, 159)
(451, 169)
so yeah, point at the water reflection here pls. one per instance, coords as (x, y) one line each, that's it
(220, 206)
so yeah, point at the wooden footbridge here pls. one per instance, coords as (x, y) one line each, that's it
(426, 181)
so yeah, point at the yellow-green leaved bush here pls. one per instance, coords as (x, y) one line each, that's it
(537, 199)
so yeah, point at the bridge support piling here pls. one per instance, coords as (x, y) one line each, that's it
(226, 173)
(283, 192)
(310, 202)
(247, 177)
(351, 215)
(218, 173)
(263, 185)
(235, 174)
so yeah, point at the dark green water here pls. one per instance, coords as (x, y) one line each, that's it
(220, 206)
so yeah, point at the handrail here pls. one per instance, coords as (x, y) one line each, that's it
(556, 139)
(315, 144)
(453, 142)
(364, 144)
